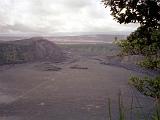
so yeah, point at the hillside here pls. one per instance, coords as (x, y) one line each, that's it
(27, 50)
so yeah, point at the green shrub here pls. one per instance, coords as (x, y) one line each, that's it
(150, 63)
(147, 86)
(136, 44)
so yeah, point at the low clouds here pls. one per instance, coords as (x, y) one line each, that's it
(54, 16)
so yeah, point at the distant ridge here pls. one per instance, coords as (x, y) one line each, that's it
(97, 38)
(94, 38)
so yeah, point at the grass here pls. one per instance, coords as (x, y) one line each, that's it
(109, 109)
(126, 113)
(121, 107)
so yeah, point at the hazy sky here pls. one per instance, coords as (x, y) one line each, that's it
(54, 16)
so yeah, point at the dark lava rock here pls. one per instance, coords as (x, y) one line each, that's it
(78, 67)
(28, 50)
(47, 67)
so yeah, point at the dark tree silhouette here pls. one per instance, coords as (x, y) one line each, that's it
(145, 12)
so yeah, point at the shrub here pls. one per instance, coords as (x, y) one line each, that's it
(150, 63)
(147, 86)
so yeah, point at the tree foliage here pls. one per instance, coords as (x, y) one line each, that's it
(145, 12)
(145, 40)
(136, 43)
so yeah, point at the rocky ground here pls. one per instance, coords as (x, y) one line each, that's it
(75, 89)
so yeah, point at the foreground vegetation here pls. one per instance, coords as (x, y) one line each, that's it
(144, 41)
(136, 44)
(131, 112)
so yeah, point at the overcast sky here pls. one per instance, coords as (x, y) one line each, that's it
(58, 16)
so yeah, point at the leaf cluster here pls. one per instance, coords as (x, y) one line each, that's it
(145, 12)
(136, 43)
